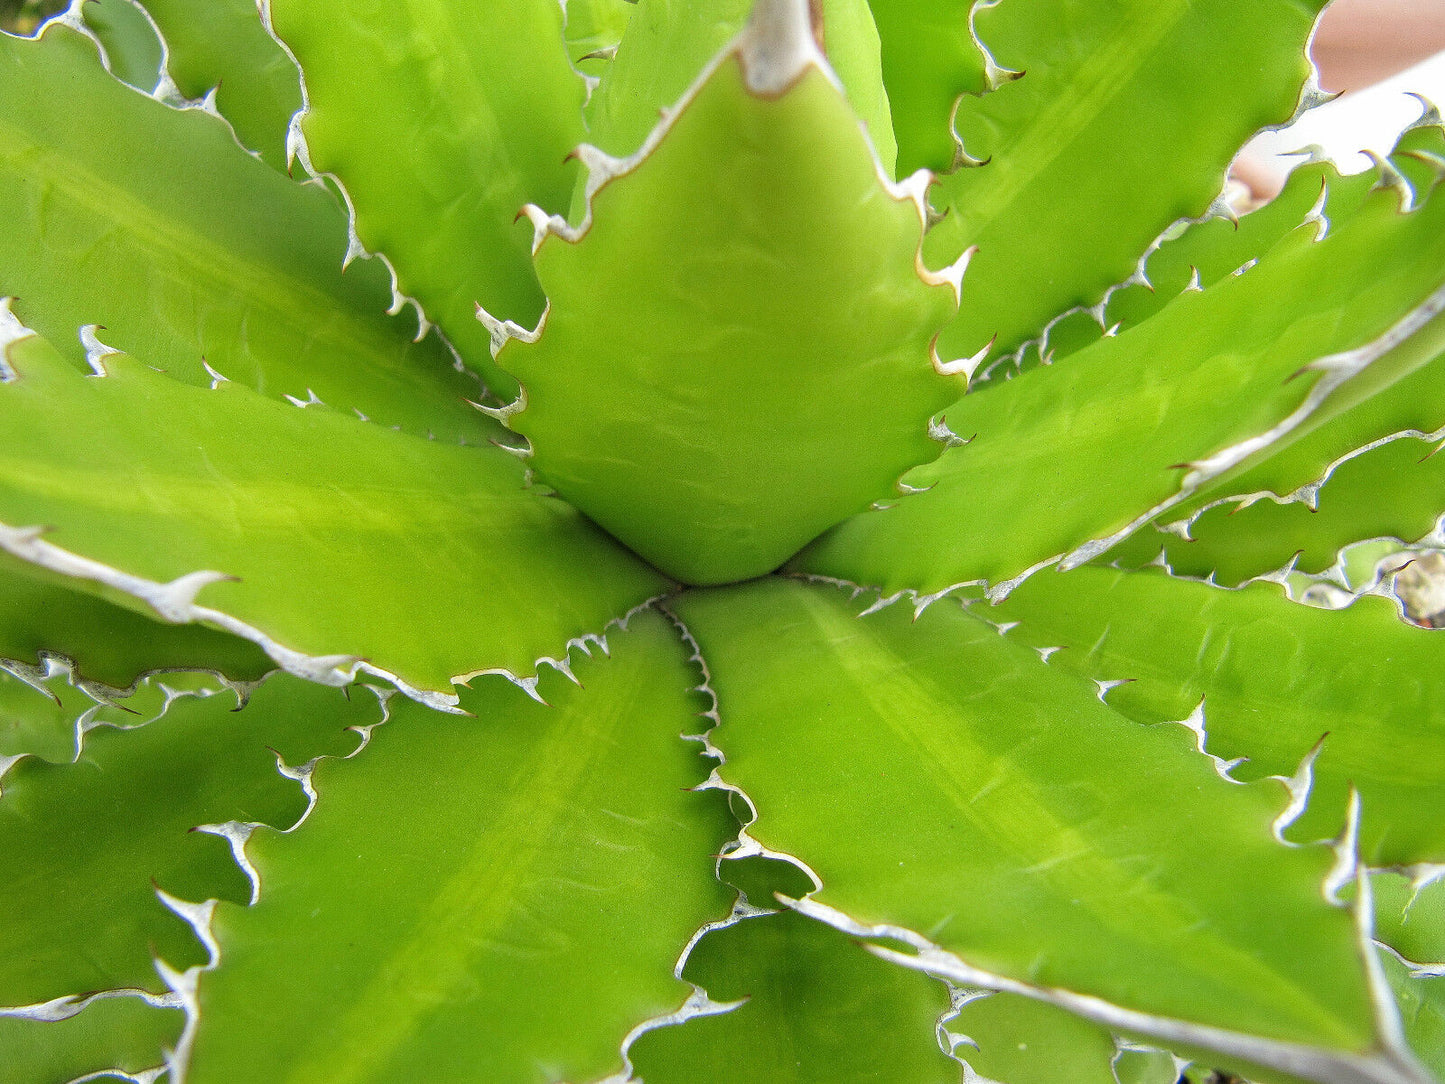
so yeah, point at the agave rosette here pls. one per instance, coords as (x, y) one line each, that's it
(727, 619)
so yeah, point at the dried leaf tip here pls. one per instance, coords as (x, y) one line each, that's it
(778, 46)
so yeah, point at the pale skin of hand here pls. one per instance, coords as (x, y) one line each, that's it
(1358, 43)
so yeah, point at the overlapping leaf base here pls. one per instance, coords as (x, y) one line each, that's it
(350, 733)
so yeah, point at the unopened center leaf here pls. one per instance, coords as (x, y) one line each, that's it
(737, 349)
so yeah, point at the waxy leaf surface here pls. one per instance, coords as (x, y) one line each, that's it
(121, 1033)
(1068, 456)
(466, 113)
(1275, 678)
(109, 644)
(222, 46)
(46, 711)
(133, 51)
(1396, 490)
(1012, 1038)
(929, 60)
(85, 845)
(344, 538)
(671, 42)
(744, 301)
(818, 1009)
(1064, 206)
(226, 262)
(1410, 927)
(472, 898)
(942, 778)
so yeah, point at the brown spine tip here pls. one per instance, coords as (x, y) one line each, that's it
(815, 15)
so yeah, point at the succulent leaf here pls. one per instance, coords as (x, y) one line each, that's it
(133, 50)
(326, 539)
(684, 399)
(124, 1033)
(514, 890)
(1422, 1009)
(1069, 459)
(1394, 490)
(1183, 79)
(1275, 680)
(811, 1005)
(668, 42)
(917, 767)
(929, 59)
(466, 114)
(624, 514)
(1012, 1038)
(227, 264)
(110, 645)
(85, 845)
(1410, 928)
(594, 29)
(221, 46)
(48, 710)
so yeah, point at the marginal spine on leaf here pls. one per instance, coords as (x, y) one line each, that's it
(12, 331)
(995, 75)
(297, 149)
(175, 601)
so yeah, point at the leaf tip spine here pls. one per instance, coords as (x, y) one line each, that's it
(778, 46)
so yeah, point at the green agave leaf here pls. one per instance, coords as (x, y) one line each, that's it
(1413, 403)
(685, 401)
(1188, 81)
(1004, 1037)
(1199, 254)
(1275, 679)
(1395, 490)
(133, 50)
(126, 1033)
(1410, 914)
(1195, 254)
(501, 898)
(325, 539)
(45, 711)
(1422, 1009)
(226, 268)
(945, 780)
(816, 1008)
(1144, 1065)
(669, 42)
(854, 51)
(929, 60)
(1410, 924)
(467, 113)
(222, 46)
(84, 846)
(108, 644)
(1071, 458)
(36, 720)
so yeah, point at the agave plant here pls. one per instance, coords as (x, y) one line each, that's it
(810, 597)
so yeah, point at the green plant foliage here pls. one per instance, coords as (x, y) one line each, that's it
(687, 542)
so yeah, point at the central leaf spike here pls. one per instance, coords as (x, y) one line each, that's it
(736, 352)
